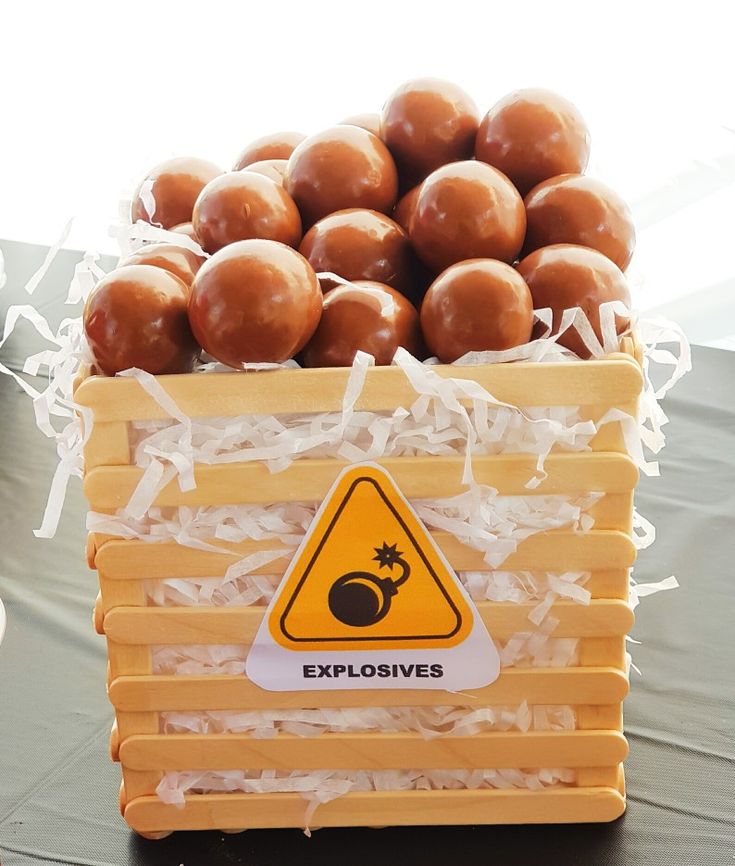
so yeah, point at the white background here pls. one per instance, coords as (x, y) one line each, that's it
(93, 94)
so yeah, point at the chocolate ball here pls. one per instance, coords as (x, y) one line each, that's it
(185, 229)
(476, 306)
(563, 276)
(255, 300)
(532, 135)
(278, 145)
(405, 207)
(342, 167)
(178, 261)
(170, 190)
(136, 317)
(368, 121)
(427, 123)
(367, 316)
(242, 205)
(467, 210)
(275, 169)
(358, 244)
(574, 209)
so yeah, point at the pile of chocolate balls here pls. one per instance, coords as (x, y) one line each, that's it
(426, 227)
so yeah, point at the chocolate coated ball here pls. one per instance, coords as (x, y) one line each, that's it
(366, 316)
(255, 300)
(178, 261)
(427, 123)
(185, 229)
(170, 190)
(574, 209)
(467, 210)
(136, 317)
(368, 121)
(405, 207)
(278, 145)
(358, 244)
(342, 167)
(242, 205)
(532, 135)
(476, 306)
(565, 276)
(275, 169)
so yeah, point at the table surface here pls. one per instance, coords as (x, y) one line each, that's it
(58, 789)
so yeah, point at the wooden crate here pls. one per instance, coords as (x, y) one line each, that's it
(595, 688)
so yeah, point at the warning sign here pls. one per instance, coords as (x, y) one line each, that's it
(369, 593)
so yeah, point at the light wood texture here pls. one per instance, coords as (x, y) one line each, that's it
(238, 625)
(535, 685)
(374, 751)
(602, 652)
(417, 477)
(609, 381)
(108, 445)
(546, 551)
(600, 717)
(381, 808)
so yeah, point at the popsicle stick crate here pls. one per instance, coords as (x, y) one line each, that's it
(593, 685)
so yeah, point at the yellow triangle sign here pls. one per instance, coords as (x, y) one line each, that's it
(368, 576)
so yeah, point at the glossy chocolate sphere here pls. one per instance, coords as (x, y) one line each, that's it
(532, 135)
(467, 210)
(242, 205)
(476, 306)
(427, 123)
(565, 276)
(136, 317)
(405, 207)
(178, 261)
(358, 244)
(275, 169)
(185, 229)
(255, 300)
(278, 145)
(366, 316)
(368, 121)
(574, 209)
(342, 167)
(170, 189)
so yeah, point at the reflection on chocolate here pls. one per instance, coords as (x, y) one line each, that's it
(255, 300)
(275, 169)
(170, 190)
(532, 135)
(278, 145)
(574, 209)
(341, 167)
(241, 205)
(186, 229)
(426, 123)
(475, 306)
(179, 261)
(565, 276)
(369, 121)
(467, 210)
(405, 207)
(366, 316)
(358, 244)
(136, 317)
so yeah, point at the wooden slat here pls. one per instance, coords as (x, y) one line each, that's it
(380, 808)
(535, 685)
(602, 651)
(238, 625)
(375, 751)
(108, 445)
(429, 477)
(545, 551)
(599, 717)
(609, 381)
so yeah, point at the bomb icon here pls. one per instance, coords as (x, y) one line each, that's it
(360, 598)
